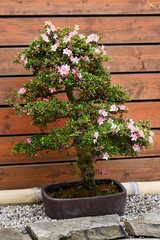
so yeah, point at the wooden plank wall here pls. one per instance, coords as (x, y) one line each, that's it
(131, 35)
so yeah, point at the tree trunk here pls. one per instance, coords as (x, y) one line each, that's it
(85, 164)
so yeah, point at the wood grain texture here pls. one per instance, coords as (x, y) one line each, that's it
(7, 143)
(139, 86)
(114, 30)
(80, 7)
(142, 58)
(13, 124)
(37, 175)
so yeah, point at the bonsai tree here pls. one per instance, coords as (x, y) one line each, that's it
(96, 124)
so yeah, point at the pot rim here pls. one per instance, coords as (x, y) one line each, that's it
(45, 187)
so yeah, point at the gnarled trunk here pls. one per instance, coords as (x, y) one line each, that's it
(85, 164)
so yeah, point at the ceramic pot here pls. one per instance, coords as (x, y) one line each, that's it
(85, 206)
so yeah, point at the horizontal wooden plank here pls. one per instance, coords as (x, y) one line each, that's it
(13, 124)
(140, 58)
(68, 7)
(18, 177)
(139, 86)
(7, 143)
(114, 30)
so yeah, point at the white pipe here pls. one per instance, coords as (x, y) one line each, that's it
(19, 196)
(33, 195)
(142, 187)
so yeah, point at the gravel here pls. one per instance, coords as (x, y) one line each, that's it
(20, 216)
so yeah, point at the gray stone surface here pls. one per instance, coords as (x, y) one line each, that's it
(88, 228)
(12, 234)
(148, 226)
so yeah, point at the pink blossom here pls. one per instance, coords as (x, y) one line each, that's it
(105, 156)
(108, 67)
(67, 51)
(76, 59)
(150, 139)
(81, 36)
(66, 39)
(52, 90)
(24, 111)
(131, 127)
(104, 171)
(80, 75)
(103, 51)
(60, 80)
(64, 70)
(96, 135)
(21, 91)
(28, 140)
(54, 47)
(151, 133)
(22, 57)
(101, 120)
(76, 27)
(113, 108)
(35, 48)
(133, 137)
(53, 28)
(101, 147)
(103, 112)
(48, 30)
(97, 51)
(55, 36)
(45, 38)
(92, 37)
(25, 61)
(136, 148)
(141, 133)
(122, 107)
(71, 34)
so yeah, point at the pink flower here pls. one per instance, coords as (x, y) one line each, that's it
(25, 61)
(52, 90)
(101, 147)
(133, 137)
(24, 111)
(92, 37)
(141, 133)
(22, 57)
(64, 70)
(76, 59)
(103, 112)
(48, 30)
(71, 34)
(67, 51)
(113, 108)
(45, 38)
(55, 36)
(122, 107)
(97, 51)
(105, 156)
(131, 127)
(60, 80)
(66, 39)
(96, 135)
(76, 27)
(81, 36)
(54, 47)
(101, 120)
(28, 140)
(80, 75)
(150, 139)
(21, 91)
(104, 171)
(136, 148)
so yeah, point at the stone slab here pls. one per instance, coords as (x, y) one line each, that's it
(148, 226)
(12, 234)
(88, 228)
